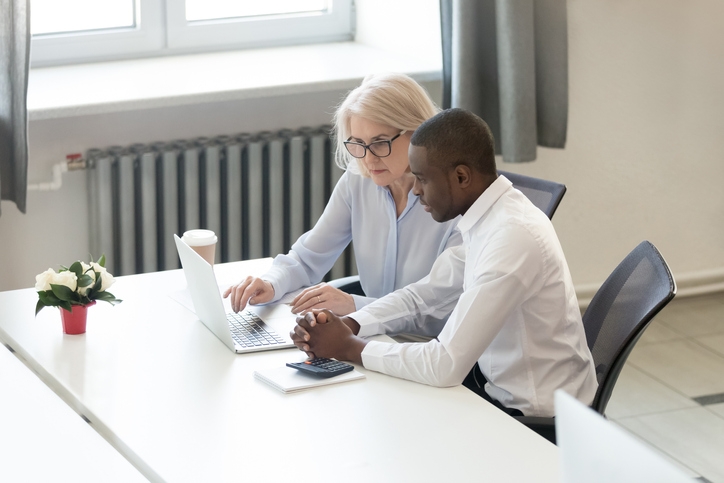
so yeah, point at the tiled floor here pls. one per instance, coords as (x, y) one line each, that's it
(679, 358)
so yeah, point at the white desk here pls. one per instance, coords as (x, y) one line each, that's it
(42, 439)
(182, 407)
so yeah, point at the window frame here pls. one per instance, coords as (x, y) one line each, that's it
(162, 30)
(258, 31)
(96, 45)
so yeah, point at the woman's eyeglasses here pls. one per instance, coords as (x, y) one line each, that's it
(381, 149)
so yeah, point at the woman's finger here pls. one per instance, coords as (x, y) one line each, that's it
(304, 294)
(314, 300)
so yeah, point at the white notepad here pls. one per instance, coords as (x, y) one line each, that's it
(287, 379)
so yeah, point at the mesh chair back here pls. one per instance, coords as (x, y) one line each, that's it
(544, 194)
(639, 287)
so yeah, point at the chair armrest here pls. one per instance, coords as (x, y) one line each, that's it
(350, 285)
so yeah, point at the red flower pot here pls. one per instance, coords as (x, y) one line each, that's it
(75, 319)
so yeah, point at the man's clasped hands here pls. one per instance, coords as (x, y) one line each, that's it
(321, 333)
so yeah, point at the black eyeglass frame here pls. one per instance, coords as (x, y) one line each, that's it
(368, 146)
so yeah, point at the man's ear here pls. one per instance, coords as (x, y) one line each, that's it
(463, 175)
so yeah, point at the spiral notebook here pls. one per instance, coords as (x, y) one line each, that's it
(287, 379)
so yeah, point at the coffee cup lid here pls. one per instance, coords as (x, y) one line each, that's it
(197, 238)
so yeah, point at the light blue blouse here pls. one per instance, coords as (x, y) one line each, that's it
(391, 252)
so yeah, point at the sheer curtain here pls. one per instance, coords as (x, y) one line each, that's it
(14, 61)
(507, 61)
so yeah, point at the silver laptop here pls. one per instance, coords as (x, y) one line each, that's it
(252, 330)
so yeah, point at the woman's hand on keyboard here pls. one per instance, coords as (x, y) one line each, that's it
(251, 290)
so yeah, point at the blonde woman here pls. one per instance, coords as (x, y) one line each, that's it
(395, 240)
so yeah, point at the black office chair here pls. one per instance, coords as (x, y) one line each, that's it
(639, 287)
(544, 194)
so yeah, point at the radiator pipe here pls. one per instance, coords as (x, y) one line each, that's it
(72, 162)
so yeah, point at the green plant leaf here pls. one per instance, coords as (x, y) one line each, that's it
(85, 280)
(95, 288)
(102, 261)
(105, 296)
(48, 298)
(38, 307)
(76, 268)
(108, 297)
(66, 306)
(64, 293)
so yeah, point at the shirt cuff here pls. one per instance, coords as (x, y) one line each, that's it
(360, 301)
(275, 277)
(373, 355)
(368, 324)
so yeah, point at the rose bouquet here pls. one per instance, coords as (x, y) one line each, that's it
(79, 284)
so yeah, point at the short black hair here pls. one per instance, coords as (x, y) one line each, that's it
(458, 136)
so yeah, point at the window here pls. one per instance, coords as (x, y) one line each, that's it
(88, 30)
(53, 17)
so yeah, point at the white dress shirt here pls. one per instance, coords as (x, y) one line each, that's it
(390, 251)
(514, 311)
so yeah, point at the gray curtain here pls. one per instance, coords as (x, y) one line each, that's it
(507, 61)
(14, 62)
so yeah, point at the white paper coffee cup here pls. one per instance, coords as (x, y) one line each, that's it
(202, 242)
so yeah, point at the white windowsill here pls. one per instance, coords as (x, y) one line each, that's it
(107, 87)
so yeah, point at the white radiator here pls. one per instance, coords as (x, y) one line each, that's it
(259, 193)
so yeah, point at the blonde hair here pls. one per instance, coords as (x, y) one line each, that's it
(394, 100)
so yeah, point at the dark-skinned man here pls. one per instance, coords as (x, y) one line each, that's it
(514, 316)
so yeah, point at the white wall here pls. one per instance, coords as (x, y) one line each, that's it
(54, 231)
(643, 161)
(645, 144)
(644, 158)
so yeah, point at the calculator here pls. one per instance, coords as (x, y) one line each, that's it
(322, 367)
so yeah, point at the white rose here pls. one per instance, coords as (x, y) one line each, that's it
(106, 278)
(66, 278)
(43, 280)
(87, 270)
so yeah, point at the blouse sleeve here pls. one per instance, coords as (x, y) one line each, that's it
(315, 252)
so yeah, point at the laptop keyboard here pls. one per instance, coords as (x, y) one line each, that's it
(248, 330)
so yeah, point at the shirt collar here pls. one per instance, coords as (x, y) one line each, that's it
(484, 202)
